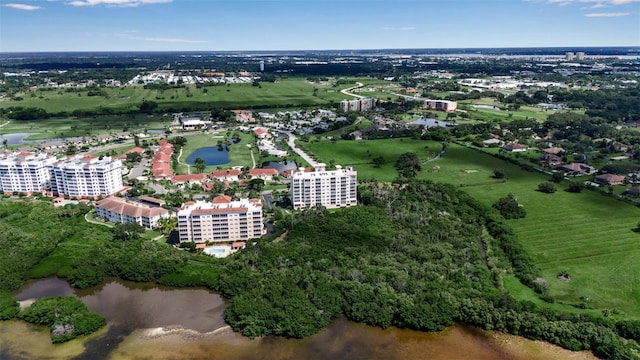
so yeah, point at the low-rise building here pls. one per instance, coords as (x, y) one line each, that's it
(119, 210)
(226, 175)
(578, 169)
(610, 179)
(222, 220)
(265, 174)
(515, 147)
(440, 105)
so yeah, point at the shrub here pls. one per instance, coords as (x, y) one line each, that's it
(547, 187)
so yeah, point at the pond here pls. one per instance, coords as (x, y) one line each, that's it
(431, 123)
(281, 166)
(146, 321)
(215, 155)
(490, 107)
(15, 138)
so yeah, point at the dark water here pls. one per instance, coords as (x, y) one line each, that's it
(151, 322)
(211, 155)
(281, 166)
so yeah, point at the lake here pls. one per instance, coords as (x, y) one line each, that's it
(146, 321)
(211, 155)
(16, 138)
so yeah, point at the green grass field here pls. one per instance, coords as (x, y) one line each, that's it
(588, 234)
(291, 91)
(239, 154)
(71, 127)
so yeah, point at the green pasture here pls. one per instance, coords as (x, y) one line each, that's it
(588, 234)
(285, 92)
(85, 126)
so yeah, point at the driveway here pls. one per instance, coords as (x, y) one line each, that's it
(138, 169)
(157, 188)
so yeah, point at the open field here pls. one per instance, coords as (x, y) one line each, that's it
(292, 91)
(85, 126)
(589, 235)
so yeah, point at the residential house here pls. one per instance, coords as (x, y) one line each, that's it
(610, 179)
(226, 175)
(514, 147)
(265, 174)
(578, 169)
(633, 192)
(261, 133)
(553, 150)
(189, 179)
(551, 160)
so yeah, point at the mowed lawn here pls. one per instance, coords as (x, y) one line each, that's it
(239, 154)
(85, 126)
(285, 92)
(588, 234)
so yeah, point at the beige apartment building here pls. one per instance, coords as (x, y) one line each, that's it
(440, 105)
(221, 220)
(331, 189)
(119, 210)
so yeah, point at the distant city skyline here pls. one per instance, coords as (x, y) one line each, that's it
(244, 25)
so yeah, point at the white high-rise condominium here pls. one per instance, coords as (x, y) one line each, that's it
(86, 176)
(331, 189)
(222, 220)
(25, 172)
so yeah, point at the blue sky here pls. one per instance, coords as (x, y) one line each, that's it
(219, 25)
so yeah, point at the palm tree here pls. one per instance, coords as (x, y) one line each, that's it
(200, 165)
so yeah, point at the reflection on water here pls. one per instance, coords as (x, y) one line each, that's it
(150, 322)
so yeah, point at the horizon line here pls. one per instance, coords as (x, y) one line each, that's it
(632, 47)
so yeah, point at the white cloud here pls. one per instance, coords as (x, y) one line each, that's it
(174, 40)
(119, 3)
(606, 14)
(407, 28)
(23, 7)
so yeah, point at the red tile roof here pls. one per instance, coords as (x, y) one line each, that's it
(136, 149)
(263, 171)
(222, 199)
(224, 173)
(189, 177)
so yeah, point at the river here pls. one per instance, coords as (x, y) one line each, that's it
(146, 321)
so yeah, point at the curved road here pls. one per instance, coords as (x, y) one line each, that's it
(292, 144)
(346, 91)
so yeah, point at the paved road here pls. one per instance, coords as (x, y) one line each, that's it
(159, 189)
(292, 145)
(138, 170)
(347, 91)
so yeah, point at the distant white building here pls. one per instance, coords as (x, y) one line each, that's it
(25, 172)
(441, 105)
(363, 104)
(86, 176)
(331, 189)
(222, 220)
